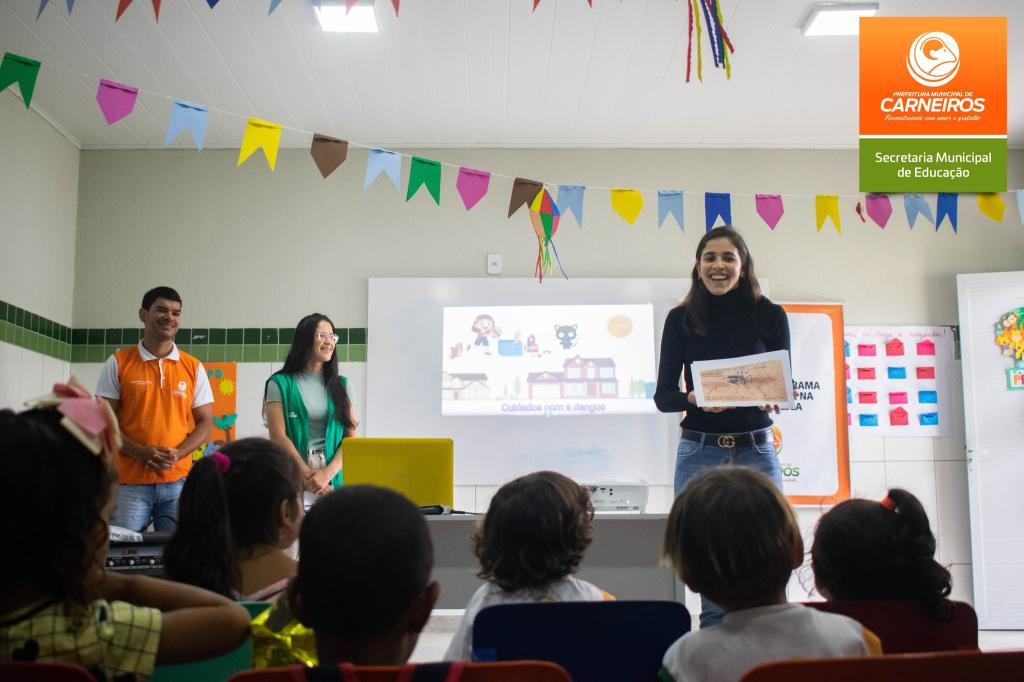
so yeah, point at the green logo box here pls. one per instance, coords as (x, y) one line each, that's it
(899, 164)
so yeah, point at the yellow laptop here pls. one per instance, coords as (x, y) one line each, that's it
(422, 469)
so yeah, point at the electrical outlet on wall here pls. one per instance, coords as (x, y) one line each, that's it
(494, 264)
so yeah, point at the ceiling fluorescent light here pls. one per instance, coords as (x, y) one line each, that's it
(837, 18)
(333, 18)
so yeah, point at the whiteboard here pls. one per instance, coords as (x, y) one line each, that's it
(994, 422)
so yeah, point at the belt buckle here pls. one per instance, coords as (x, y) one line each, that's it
(727, 441)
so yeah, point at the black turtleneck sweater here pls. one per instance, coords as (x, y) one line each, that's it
(735, 328)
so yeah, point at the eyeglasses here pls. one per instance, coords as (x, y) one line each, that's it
(324, 336)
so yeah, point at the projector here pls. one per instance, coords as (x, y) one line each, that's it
(619, 495)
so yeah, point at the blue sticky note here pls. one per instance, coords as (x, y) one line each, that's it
(846, 348)
(869, 420)
(849, 395)
(897, 372)
(929, 418)
(509, 347)
(927, 396)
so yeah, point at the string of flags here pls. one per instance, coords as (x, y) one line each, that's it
(116, 101)
(123, 5)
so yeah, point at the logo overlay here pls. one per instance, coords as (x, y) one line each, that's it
(933, 104)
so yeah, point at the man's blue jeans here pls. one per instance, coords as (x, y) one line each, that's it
(139, 504)
(693, 457)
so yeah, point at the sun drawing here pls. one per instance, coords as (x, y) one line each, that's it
(227, 387)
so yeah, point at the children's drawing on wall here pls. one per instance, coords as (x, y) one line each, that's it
(546, 360)
(898, 380)
(223, 381)
(1009, 336)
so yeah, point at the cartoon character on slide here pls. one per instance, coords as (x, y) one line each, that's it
(485, 330)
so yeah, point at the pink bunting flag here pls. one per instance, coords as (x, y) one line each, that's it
(879, 208)
(472, 185)
(116, 100)
(769, 207)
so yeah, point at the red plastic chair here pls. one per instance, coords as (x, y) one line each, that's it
(958, 666)
(44, 672)
(514, 671)
(905, 628)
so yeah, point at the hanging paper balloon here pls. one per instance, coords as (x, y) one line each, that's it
(544, 215)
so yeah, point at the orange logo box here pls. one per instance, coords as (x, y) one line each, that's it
(908, 64)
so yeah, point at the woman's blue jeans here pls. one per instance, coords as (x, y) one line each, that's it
(693, 457)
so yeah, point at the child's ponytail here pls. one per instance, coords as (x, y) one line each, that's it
(201, 552)
(914, 545)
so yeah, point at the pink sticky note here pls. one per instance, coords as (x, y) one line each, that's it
(865, 349)
(472, 185)
(865, 372)
(898, 398)
(899, 417)
(867, 397)
(894, 347)
(116, 100)
(925, 372)
(926, 348)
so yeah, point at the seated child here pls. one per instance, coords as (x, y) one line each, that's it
(240, 509)
(731, 535)
(57, 603)
(363, 584)
(880, 550)
(529, 544)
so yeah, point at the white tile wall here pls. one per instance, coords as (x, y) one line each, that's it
(25, 374)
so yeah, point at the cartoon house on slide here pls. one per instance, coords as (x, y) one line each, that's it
(581, 378)
(466, 386)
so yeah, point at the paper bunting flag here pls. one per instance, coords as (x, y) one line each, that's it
(116, 100)
(721, 46)
(273, 6)
(328, 153)
(212, 3)
(992, 205)
(717, 204)
(523, 192)
(769, 207)
(122, 5)
(670, 202)
(945, 207)
(383, 161)
(827, 206)
(395, 3)
(44, 3)
(915, 204)
(187, 116)
(1020, 205)
(860, 212)
(349, 4)
(627, 203)
(424, 172)
(570, 200)
(472, 185)
(260, 135)
(544, 215)
(20, 70)
(879, 208)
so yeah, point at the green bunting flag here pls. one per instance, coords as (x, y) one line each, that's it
(425, 172)
(20, 70)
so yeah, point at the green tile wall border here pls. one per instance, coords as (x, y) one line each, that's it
(25, 329)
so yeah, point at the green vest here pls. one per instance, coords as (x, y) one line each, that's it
(296, 421)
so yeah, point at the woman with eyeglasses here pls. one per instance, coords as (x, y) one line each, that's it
(307, 407)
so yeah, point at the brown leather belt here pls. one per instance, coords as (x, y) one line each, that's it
(730, 440)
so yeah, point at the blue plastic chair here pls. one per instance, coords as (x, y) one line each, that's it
(213, 669)
(607, 640)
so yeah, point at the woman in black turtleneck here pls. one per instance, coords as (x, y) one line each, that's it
(724, 315)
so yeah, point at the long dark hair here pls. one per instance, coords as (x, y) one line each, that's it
(865, 549)
(52, 492)
(298, 358)
(698, 299)
(222, 515)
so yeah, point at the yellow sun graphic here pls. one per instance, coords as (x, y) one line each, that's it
(227, 387)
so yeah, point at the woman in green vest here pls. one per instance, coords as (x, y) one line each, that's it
(307, 407)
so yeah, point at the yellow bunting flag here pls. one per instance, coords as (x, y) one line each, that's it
(260, 135)
(627, 203)
(827, 206)
(992, 205)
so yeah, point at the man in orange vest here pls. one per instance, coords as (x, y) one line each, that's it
(163, 400)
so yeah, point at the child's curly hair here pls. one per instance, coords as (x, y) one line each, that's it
(52, 493)
(536, 530)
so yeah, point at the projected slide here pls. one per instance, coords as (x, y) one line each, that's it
(548, 360)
